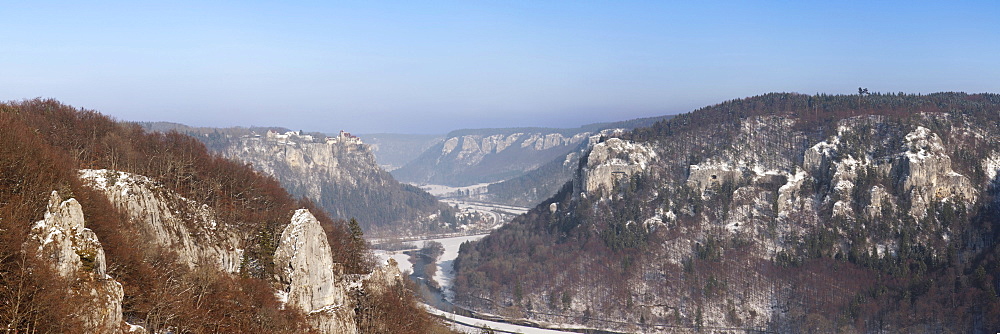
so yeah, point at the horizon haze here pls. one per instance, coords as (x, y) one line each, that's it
(433, 67)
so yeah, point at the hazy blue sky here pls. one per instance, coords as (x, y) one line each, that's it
(434, 66)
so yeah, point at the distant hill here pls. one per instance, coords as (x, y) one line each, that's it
(393, 150)
(472, 156)
(536, 185)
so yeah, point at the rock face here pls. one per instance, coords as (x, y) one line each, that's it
(522, 166)
(310, 279)
(925, 172)
(482, 157)
(383, 278)
(170, 220)
(75, 253)
(539, 184)
(304, 166)
(341, 175)
(612, 161)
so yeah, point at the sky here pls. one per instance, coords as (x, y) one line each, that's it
(436, 66)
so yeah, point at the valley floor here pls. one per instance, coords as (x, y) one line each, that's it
(445, 271)
(445, 275)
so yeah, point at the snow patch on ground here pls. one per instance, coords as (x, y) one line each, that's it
(992, 166)
(327, 309)
(402, 260)
(793, 180)
(282, 297)
(829, 146)
(760, 171)
(134, 328)
(922, 142)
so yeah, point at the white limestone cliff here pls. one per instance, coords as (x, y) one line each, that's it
(473, 148)
(305, 165)
(310, 279)
(613, 160)
(926, 174)
(170, 220)
(340, 174)
(74, 252)
(783, 185)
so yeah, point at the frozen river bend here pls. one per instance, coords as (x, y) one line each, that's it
(445, 275)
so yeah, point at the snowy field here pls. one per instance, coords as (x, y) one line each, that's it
(445, 273)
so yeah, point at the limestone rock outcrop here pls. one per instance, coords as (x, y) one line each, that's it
(341, 175)
(74, 252)
(924, 171)
(708, 175)
(383, 277)
(310, 280)
(611, 161)
(170, 220)
(303, 166)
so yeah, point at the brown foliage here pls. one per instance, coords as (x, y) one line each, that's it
(348, 249)
(395, 311)
(31, 297)
(43, 143)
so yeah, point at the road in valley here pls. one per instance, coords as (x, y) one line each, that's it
(500, 213)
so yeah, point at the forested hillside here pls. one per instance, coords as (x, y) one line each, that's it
(781, 212)
(52, 153)
(537, 185)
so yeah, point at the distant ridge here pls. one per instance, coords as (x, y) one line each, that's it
(473, 156)
(593, 127)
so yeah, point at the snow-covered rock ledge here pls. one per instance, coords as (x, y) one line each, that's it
(612, 160)
(169, 219)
